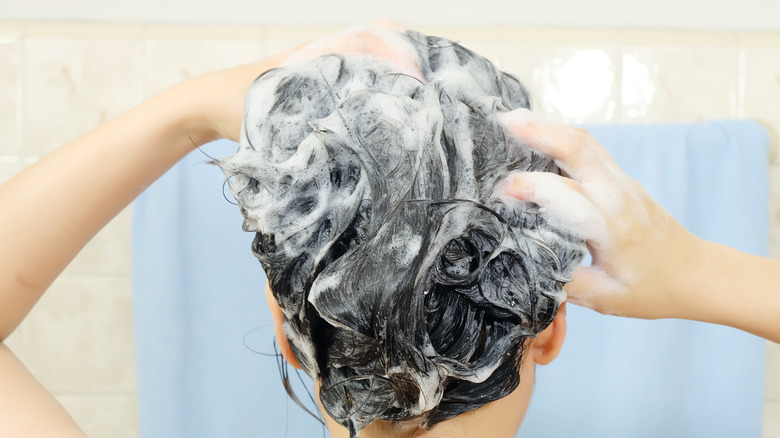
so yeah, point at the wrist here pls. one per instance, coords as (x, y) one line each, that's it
(691, 280)
(220, 97)
(708, 294)
(200, 104)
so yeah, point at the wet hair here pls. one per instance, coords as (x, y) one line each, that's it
(409, 283)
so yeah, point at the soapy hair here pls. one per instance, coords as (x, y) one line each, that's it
(409, 283)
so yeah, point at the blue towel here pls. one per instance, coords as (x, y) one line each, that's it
(203, 330)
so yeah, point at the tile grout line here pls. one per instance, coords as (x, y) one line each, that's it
(741, 79)
(619, 47)
(93, 393)
(20, 84)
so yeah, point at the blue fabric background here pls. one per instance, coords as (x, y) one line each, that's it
(202, 325)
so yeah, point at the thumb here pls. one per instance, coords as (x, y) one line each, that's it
(591, 287)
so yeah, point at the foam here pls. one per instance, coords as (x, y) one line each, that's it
(370, 181)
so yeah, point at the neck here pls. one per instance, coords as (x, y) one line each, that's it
(500, 419)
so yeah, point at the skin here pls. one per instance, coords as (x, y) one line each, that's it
(126, 155)
(55, 208)
(645, 264)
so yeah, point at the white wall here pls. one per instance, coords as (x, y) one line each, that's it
(750, 15)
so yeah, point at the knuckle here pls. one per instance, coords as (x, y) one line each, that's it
(579, 140)
(584, 137)
(581, 132)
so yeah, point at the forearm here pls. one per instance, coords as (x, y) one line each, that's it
(52, 209)
(735, 289)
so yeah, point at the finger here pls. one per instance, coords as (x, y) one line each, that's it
(582, 287)
(563, 201)
(573, 149)
(593, 288)
(522, 184)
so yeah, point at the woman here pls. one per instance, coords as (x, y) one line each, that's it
(54, 207)
(409, 287)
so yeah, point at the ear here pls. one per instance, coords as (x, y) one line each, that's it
(281, 339)
(546, 346)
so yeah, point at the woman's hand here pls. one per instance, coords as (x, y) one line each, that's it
(642, 257)
(645, 264)
(227, 88)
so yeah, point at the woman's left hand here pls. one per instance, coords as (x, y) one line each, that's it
(380, 39)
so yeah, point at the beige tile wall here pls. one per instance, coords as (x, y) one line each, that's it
(60, 80)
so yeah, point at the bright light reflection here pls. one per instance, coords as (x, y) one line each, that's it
(579, 87)
(638, 87)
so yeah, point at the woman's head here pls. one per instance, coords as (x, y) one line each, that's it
(409, 283)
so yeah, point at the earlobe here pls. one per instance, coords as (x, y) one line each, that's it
(547, 345)
(281, 339)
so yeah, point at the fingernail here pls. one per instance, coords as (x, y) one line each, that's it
(509, 186)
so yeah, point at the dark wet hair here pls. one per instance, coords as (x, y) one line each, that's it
(408, 281)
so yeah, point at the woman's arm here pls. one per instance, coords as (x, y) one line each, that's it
(645, 264)
(735, 289)
(49, 212)
(52, 209)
